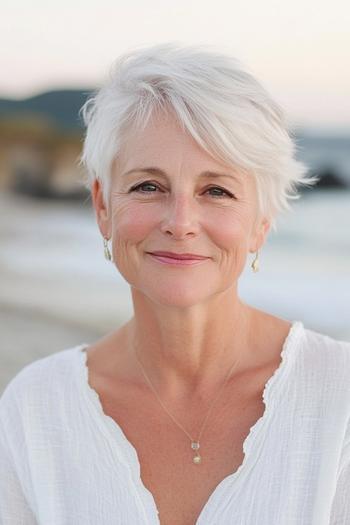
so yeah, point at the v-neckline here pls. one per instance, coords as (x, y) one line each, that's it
(128, 455)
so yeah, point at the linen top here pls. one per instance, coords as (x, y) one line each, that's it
(64, 462)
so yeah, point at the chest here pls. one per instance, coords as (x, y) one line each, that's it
(180, 487)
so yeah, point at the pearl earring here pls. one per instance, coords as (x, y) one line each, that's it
(108, 255)
(255, 263)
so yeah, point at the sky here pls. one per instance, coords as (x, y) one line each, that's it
(298, 49)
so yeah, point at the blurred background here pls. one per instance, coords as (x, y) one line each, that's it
(56, 289)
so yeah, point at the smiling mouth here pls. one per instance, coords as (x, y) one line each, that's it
(175, 261)
(182, 256)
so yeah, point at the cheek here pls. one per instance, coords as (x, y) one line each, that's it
(228, 228)
(231, 228)
(133, 223)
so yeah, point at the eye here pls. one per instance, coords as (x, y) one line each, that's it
(224, 193)
(143, 184)
(227, 193)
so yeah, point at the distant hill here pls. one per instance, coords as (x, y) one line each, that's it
(62, 106)
(328, 155)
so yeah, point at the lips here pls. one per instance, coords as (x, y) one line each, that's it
(179, 256)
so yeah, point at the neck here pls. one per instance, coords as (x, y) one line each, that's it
(188, 351)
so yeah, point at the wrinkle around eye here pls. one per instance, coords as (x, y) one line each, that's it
(225, 193)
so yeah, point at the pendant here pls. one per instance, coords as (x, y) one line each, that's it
(197, 458)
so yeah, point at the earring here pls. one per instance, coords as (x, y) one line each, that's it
(255, 263)
(108, 255)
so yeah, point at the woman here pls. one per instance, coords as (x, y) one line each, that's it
(201, 409)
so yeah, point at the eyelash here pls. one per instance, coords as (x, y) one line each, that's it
(228, 194)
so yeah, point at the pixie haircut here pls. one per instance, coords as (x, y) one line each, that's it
(213, 96)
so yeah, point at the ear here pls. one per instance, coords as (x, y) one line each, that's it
(259, 235)
(101, 211)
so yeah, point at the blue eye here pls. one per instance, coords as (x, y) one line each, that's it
(136, 188)
(228, 194)
(145, 184)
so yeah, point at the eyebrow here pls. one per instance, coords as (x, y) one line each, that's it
(159, 172)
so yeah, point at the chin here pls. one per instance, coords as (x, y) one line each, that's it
(176, 295)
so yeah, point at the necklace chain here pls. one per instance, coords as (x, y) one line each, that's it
(194, 443)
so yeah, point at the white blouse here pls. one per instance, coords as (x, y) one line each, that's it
(64, 462)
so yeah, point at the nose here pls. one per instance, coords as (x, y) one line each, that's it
(180, 216)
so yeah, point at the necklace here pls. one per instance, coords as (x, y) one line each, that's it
(197, 458)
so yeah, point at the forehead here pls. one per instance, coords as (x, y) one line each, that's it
(163, 146)
(162, 137)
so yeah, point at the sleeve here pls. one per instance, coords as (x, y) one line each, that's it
(340, 514)
(14, 509)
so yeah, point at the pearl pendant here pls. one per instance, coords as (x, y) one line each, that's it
(195, 446)
(197, 459)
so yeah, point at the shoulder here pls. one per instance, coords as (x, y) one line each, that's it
(326, 347)
(32, 385)
(324, 366)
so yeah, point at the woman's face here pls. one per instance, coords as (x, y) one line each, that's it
(166, 195)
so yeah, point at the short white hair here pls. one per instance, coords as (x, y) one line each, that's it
(215, 98)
